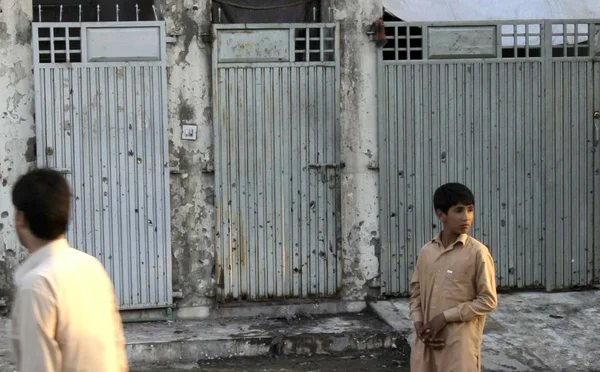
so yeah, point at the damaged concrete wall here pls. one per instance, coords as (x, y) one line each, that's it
(17, 138)
(358, 121)
(192, 191)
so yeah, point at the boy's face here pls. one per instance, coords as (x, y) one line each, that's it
(459, 218)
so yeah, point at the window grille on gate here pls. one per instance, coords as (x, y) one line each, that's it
(502, 40)
(405, 43)
(314, 44)
(570, 40)
(59, 44)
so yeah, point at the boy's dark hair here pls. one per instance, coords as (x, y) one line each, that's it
(451, 194)
(44, 197)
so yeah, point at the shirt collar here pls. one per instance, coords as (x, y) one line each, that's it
(462, 238)
(39, 256)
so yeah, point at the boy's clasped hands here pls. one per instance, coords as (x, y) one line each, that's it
(429, 333)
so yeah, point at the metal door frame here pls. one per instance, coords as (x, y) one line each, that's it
(224, 246)
(520, 38)
(162, 291)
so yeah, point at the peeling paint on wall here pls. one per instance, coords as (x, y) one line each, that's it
(192, 190)
(16, 125)
(358, 145)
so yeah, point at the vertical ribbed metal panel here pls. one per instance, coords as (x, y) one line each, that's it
(474, 123)
(570, 211)
(105, 127)
(277, 202)
(596, 157)
(517, 127)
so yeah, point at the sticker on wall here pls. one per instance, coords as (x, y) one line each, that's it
(189, 132)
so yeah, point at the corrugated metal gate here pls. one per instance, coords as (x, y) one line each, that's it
(100, 91)
(276, 137)
(508, 109)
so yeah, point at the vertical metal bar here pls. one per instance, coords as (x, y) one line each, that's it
(242, 151)
(494, 136)
(550, 204)
(312, 200)
(516, 40)
(525, 258)
(80, 99)
(155, 183)
(305, 181)
(292, 47)
(402, 238)
(585, 213)
(111, 181)
(537, 172)
(594, 159)
(382, 156)
(117, 12)
(251, 189)
(233, 150)
(321, 183)
(67, 44)
(137, 12)
(483, 130)
(338, 212)
(417, 126)
(391, 215)
(278, 179)
(330, 185)
(270, 208)
(425, 42)
(499, 40)
(501, 182)
(98, 13)
(52, 56)
(519, 167)
(261, 266)
(408, 46)
(287, 181)
(60, 13)
(576, 41)
(322, 30)
(307, 40)
(101, 178)
(527, 54)
(396, 43)
(296, 178)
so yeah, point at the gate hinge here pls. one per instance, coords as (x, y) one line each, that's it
(207, 37)
(171, 39)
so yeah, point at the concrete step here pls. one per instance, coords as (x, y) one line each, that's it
(189, 341)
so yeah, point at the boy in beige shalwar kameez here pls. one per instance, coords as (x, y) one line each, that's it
(452, 290)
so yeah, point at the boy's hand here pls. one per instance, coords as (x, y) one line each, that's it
(424, 335)
(419, 328)
(436, 325)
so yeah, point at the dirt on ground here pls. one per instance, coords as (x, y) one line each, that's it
(389, 360)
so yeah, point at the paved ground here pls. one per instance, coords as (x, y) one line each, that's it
(531, 331)
(391, 360)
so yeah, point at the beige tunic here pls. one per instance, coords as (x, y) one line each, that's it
(65, 316)
(459, 281)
